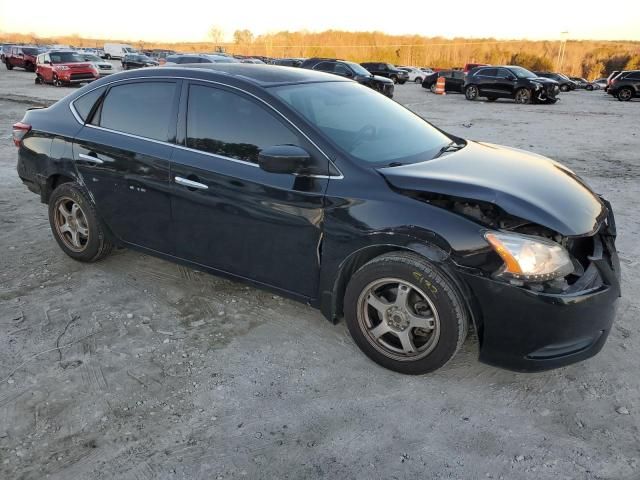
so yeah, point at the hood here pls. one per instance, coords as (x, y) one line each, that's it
(545, 80)
(380, 79)
(523, 184)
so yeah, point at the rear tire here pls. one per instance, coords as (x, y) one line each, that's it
(418, 80)
(564, 88)
(432, 88)
(8, 65)
(75, 224)
(405, 314)
(589, 87)
(107, 56)
(39, 80)
(625, 94)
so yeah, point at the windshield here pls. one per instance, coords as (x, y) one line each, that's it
(358, 69)
(91, 58)
(129, 49)
(522, 72)
(65, 57)
(363, 123)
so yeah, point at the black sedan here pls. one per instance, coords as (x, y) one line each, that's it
(132, 61)
(453, 81)
(329, 193)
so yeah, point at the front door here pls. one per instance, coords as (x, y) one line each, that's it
(228, 213)
(123, 156)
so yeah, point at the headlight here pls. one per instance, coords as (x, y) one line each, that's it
(537, 85)
(62, 67)
(530, 258)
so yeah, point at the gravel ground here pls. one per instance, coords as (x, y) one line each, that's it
(165, 372)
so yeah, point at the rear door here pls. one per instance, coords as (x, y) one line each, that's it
(487, 79)
(122, 154)
(228, 213)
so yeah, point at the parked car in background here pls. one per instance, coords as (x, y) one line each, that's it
(625, 86)
(117, 50)
(180, 59)
(509, 81)
(387, 70)
(288, 62)
(453, 81)
(64, 67)
(611, 76)
(584, 83)
(4, 50)
(415, 74)
(331, 194)
(255, 61)
(158, 54)
(426, 70)
(601, 82)
(353, 71)
(137, 60)
(103, 67)
(470, 66)
(22, 56)
(565, 83)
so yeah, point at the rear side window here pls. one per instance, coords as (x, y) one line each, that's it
(488, 72)
(633, 76)
(142, 109)
(85, 103)
(231, 125)
(324, 67)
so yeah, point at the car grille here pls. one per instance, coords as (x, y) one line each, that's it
(81, 76)
(105, 67)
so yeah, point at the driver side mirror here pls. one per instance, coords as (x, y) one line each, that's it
(286, 159)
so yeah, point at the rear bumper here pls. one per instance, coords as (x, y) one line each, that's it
(528, 331)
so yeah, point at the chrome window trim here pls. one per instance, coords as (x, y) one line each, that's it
(106, 84)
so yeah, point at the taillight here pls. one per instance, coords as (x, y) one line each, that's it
(19, 131)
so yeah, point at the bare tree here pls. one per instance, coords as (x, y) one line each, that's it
(216, 34)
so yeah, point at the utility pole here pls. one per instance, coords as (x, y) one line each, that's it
(561, 50)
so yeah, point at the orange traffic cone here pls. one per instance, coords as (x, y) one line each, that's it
(440, 86)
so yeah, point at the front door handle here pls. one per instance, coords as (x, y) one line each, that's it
(190, 183)
(90, 158)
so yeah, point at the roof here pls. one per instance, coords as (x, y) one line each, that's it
(258, 74)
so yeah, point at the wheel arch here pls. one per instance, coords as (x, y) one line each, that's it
(332, 303)
(53, 181)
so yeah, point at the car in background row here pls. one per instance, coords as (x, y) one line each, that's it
(625, 86)
(288, 62)
(329, 193)
(453, 81)
(22, 57)
(103, 67)
(509, 81)
(179, 59)
(611, 76)
(353, 71)
(415, 74)
(64, 67)
(117, 50)
(255, 61)
(4, 50)
(601, 82)
(387, 70)
(584, 83)
(565, 83)
(470, 66)
(137, 60)
(158, 54)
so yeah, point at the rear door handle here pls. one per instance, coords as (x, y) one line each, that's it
(90, 158)
(190, 183)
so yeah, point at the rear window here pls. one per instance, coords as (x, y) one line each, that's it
(142, 109)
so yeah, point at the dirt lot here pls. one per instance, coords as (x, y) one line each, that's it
(178, 374)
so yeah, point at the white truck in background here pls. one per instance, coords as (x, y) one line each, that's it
(117, 50)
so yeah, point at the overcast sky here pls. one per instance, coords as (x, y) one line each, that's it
(190, 20)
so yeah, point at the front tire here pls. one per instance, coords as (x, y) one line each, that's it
(57, 82)
(523, 96)
(471, 92)
(418, 80)
(564, 88)
(432, 88)
(589, 87)
(75, 224)
(8, 65)
(405, 314)
(625, 94)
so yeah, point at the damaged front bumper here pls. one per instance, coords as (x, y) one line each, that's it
(526, 330)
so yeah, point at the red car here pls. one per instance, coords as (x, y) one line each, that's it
(469, 66)
(64, 68)
(22, 57)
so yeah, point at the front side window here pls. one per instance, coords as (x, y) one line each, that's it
(142, 109)
(232, 125)
(324, 67)
(364, 124)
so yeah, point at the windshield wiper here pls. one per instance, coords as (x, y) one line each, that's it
(450, 147)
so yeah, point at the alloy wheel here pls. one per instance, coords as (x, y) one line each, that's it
(472, 92)
(398, 319)
(71, 224)
(625, 94)
(523, 96)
